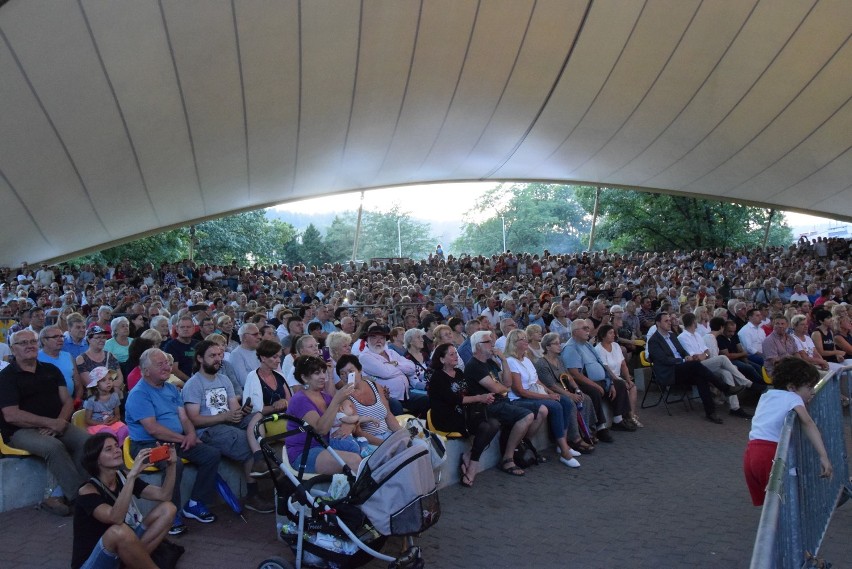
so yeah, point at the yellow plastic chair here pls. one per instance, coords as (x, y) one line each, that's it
(447, 435)
(766, 377)
(6, 450)
(642, 360)
(78, 419)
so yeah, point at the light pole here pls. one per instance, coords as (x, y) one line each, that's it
(399, 237)
(503, 219)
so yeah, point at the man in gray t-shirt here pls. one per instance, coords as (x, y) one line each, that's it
(244, 358)
(214, 410)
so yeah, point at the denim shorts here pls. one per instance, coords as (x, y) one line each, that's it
(103, 559)
(311, 462)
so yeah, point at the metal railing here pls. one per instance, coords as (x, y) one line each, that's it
(799, 504)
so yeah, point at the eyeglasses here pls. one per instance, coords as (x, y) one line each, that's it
(485, 342)
(26, 343)
(52, 337)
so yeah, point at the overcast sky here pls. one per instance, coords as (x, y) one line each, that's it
(431, 202)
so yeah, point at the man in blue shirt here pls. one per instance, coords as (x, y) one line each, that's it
(154, 413)
(595, 380)
(74, 341)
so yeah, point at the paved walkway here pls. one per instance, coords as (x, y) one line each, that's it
(670, 495)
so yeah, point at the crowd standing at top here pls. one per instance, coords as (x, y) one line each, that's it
(511, 342)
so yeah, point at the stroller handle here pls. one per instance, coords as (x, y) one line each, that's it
(302, 425)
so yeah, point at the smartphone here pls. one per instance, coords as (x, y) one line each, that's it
(158, 454)
(247, 406)
(326, 353)
(350, 379)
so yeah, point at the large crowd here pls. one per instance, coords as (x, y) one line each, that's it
(191, 356)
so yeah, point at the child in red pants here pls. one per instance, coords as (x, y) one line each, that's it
(794, 380)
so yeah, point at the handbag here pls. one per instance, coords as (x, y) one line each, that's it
(474, 414)
(525, 454)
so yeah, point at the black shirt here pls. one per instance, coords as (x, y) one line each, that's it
(87, 528)
(35, 392)
(732, 345)
(184, 354)
(475, 370)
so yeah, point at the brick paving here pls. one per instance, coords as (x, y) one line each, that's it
(670, 495)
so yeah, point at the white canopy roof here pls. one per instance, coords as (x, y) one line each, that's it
(121, 117)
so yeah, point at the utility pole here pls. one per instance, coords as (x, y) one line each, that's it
(399, 237)
(358, 229)
(191, 242)
(768, 225)
(594, 218)
(503, 219)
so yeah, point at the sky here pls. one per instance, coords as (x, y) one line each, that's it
(429, 202)
(423, 201)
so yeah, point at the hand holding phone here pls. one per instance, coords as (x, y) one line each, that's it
(158, 454)
(247, 406)
(350, 379)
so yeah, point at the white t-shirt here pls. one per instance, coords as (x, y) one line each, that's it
(611, 359)
(526, 369)
(769, 416)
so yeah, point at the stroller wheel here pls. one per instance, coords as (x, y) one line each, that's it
(275, 563)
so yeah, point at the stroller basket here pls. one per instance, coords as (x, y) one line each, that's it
(394, 494)
(396, 487)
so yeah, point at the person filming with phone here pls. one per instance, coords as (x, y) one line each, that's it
(109, 529)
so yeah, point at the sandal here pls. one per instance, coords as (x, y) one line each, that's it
(464, 480)
(513, 470)
(583, 447)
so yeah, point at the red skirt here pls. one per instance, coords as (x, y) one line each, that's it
(757, 464)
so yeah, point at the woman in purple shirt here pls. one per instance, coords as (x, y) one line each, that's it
(317, 408)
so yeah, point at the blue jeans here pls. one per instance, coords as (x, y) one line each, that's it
(205, 458)
(561, 416)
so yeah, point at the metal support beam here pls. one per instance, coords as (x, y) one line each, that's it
(594, 218)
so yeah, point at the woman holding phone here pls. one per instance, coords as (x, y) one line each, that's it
(109, 529)
(369, 400)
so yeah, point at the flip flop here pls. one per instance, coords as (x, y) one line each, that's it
(464, 480)
(513, 470)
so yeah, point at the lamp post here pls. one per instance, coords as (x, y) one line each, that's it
(503, 219)
(399, 237)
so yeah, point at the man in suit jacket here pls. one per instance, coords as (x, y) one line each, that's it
(674, 366)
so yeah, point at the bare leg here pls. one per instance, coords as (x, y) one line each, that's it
(327, 465)
(540, 419)
(518, 432)
(157, 524)
(122, 540)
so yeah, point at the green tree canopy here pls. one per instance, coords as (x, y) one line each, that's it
(241, 237)
(642, 221)
(379, 237)
(537, 216)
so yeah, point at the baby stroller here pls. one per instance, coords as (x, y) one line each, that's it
(343, 521)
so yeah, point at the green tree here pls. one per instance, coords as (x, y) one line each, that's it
(642, 221)
(241, 237)
(379, 237)
(313, 250)
(537, 216)
(340, 237)
(167, 246)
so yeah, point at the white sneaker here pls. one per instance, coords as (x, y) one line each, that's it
(572, 463)
(571, 451)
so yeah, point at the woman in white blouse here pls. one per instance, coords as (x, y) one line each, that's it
(612, 357)
(530, 393)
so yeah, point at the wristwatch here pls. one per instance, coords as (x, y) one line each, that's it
(578, 391)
